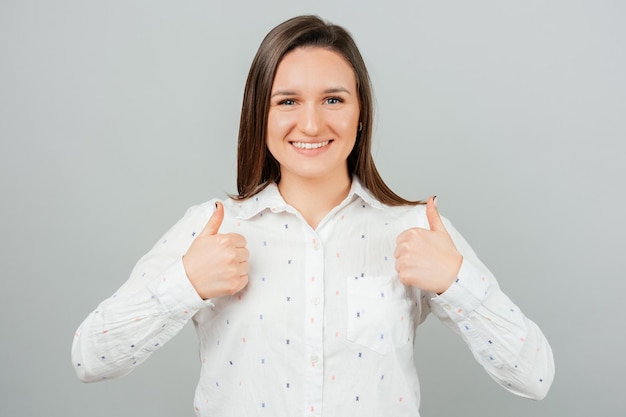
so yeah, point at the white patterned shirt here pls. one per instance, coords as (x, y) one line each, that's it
(324, 326)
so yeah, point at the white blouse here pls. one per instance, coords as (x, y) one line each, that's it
(324, 326)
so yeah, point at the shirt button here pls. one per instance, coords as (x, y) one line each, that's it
(447, 306)
(314, 358)
(315, 301)
(316, 246)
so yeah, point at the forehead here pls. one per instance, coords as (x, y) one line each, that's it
(314, 66)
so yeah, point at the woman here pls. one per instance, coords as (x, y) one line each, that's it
(306, 288)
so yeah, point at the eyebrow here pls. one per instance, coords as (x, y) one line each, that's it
(331, 90)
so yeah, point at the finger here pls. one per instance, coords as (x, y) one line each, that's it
(242, 255)
(401, 237)
(243, 282)
(214, 223)
(243, 268)
(401, 248)
(432, 214)
(237, 240)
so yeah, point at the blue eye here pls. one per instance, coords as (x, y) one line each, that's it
(334, 100)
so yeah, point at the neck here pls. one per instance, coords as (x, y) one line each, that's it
(314, 198)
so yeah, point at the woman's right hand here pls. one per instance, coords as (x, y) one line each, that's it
(217, 264)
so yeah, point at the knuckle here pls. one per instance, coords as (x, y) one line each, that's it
(232, 287)
(403, 248)
(238, 283)
(404, 279)
(222, 241)
(230, 257)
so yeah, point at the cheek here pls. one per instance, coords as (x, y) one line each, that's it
(277, 128)
(347, 124)
(347, 128)
(279, 123)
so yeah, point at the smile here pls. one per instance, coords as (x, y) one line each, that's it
(308, 145)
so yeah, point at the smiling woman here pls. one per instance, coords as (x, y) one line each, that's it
(257, 168)
(306, 289)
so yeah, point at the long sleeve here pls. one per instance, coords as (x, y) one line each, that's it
(148, 310)
(510, 347)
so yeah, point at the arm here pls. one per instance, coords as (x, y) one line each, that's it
(467, 298)
(509, 346)
(149, 309)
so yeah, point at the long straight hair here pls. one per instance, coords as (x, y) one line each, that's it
(256, 167)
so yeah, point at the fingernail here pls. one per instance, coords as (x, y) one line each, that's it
(216, 204)
(435, 200)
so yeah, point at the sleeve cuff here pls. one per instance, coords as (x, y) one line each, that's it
(466, 293)
(175, 292)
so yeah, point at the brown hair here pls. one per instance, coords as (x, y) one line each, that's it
(256, 167)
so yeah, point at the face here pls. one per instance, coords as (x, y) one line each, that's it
(314, 115)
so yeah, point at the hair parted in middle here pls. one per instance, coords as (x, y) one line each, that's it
(256, 167)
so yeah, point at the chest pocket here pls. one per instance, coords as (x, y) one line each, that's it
(379, 313)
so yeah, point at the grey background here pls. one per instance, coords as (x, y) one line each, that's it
(116, 116)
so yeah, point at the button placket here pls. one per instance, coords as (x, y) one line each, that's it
(314, 320)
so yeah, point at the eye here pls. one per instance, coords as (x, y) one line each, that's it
(334, 100)
(287, 102)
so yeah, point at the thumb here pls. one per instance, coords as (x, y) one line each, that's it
(432, 214)
(214, 223)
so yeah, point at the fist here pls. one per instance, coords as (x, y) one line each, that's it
(427, 259)
(217, 264)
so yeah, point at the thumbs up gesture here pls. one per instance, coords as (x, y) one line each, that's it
(217, 264)
(427, 259)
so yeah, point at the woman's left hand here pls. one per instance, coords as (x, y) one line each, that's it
(427, 259)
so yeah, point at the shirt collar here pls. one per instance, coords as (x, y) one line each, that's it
(270, 198)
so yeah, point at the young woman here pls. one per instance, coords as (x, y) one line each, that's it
(307, 287)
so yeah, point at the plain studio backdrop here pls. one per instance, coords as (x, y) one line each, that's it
(116, 116)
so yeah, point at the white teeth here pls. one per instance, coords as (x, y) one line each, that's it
(307, 145)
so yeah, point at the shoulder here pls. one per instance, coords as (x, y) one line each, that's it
(407, 215)
(200, 213)
(208, 207)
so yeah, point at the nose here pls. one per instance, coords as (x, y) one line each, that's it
(310, 120)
